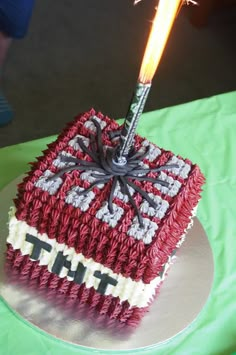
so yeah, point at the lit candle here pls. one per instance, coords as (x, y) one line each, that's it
(162, 24)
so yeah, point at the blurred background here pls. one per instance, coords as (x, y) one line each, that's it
(83, 54)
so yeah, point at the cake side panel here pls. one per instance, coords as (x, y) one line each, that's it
(66, 262)
(175, 225)
(28, 270)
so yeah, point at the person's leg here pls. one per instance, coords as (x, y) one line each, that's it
(14, 21)
(5, 42)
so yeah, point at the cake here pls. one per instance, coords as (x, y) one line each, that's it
(102, 237)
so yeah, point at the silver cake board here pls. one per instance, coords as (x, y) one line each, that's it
(182, 297)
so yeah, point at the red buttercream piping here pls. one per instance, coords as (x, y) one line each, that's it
(97, 240)
(112, 306)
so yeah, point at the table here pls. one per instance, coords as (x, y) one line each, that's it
(204, 131)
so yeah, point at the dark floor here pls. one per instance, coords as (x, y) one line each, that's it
(82, 54)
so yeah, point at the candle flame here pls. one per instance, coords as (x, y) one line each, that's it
(162, 24)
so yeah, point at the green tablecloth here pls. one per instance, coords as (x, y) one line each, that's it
(205, 132)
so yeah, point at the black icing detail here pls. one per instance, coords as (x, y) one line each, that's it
(103, 163)
(38, 245)
(114, 134)
(61, 262)
(105, 281)
(161, 273)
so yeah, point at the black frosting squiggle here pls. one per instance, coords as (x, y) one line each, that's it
(104, 169)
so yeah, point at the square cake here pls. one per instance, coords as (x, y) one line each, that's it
(98, 234)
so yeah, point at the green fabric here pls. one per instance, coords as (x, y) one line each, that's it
(204, 131)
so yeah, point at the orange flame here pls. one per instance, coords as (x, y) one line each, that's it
(162, 24)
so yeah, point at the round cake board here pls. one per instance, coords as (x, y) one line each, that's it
(182, 296)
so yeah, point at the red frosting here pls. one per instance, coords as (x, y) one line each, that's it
(109, 305)
(94, 238)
